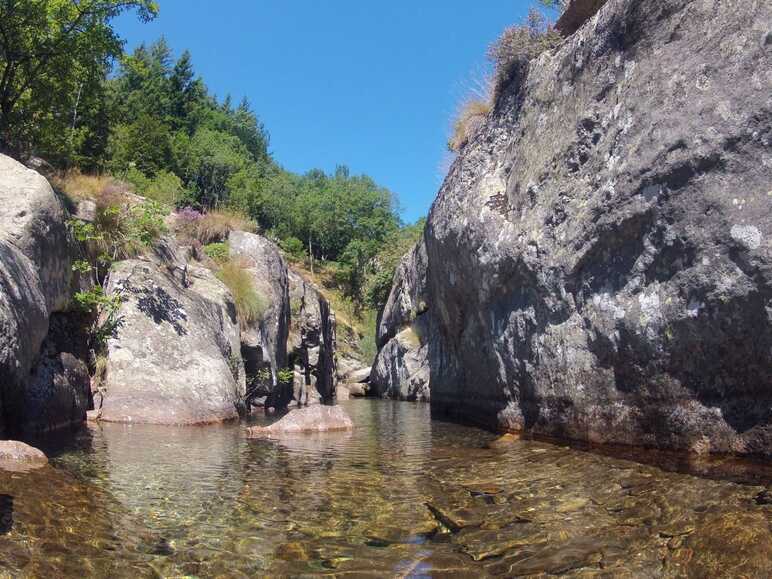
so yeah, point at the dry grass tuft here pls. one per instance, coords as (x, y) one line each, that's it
(214, 226)
(470, 118)
(78, 186)
(250, 305)
(518, 46)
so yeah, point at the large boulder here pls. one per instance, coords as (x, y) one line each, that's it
(312, 342)
(599, 257)
(264, 342)
(174, 357)
(35, 274)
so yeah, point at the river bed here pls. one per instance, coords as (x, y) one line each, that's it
(402, 495)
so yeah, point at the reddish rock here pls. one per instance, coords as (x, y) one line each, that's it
(15, 455)
(307, 420)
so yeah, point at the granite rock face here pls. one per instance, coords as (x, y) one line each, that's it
(35, 274)
(174, 358)
(264, 343)
(311, 343)
(598, 262)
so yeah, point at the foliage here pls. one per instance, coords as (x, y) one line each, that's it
(285, 375)
(250, 305)
(165, 187)
(294, 248)
(105, 310)
(217, 252)
(517, 46)
(559, 5)
(54, 55)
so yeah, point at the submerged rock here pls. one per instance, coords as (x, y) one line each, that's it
(597, 264)
(15, 455)
(317, 418)
(174, 357)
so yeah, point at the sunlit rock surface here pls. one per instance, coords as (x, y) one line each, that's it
(317, 418)
(174, 356)
(598, 262)
(35, 273)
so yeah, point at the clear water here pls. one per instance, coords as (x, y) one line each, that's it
(400, 496)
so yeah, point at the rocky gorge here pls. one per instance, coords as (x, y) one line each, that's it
(597, 265)
(177, 352)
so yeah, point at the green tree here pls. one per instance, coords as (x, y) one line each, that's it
(53, 53)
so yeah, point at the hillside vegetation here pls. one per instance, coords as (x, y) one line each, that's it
(145, 123)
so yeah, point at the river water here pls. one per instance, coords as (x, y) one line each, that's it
(400, 496)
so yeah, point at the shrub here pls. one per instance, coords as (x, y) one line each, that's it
(294, 248)
(285, 376)
(250, 305)
(165, 187)
(217, 252)
(212, 226)
(517, 46)
(469, 120)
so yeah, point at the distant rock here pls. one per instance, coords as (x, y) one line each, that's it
(312, 342)
(358, 375)
(15, 456)
(401, 369)
(308, 420)
(174, 358)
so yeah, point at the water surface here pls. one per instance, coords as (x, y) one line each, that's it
(400, 496)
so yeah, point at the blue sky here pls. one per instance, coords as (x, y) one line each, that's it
(372, 85)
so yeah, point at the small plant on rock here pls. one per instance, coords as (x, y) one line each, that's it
(517, 46)
(217, 252)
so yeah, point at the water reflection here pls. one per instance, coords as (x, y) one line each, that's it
(401, 495)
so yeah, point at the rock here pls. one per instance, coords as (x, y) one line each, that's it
(16, 455)
(346, 364)
(358, 375)
(312, 338)
(598, 263)
(86, 211)
(342, 393)
(401, 369)
(576, 14)
(174, 357)
(35, 275)
(357, 389)
(318, 418)
(58, 393)
(264, 343)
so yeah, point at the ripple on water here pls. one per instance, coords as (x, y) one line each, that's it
(401, 495)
